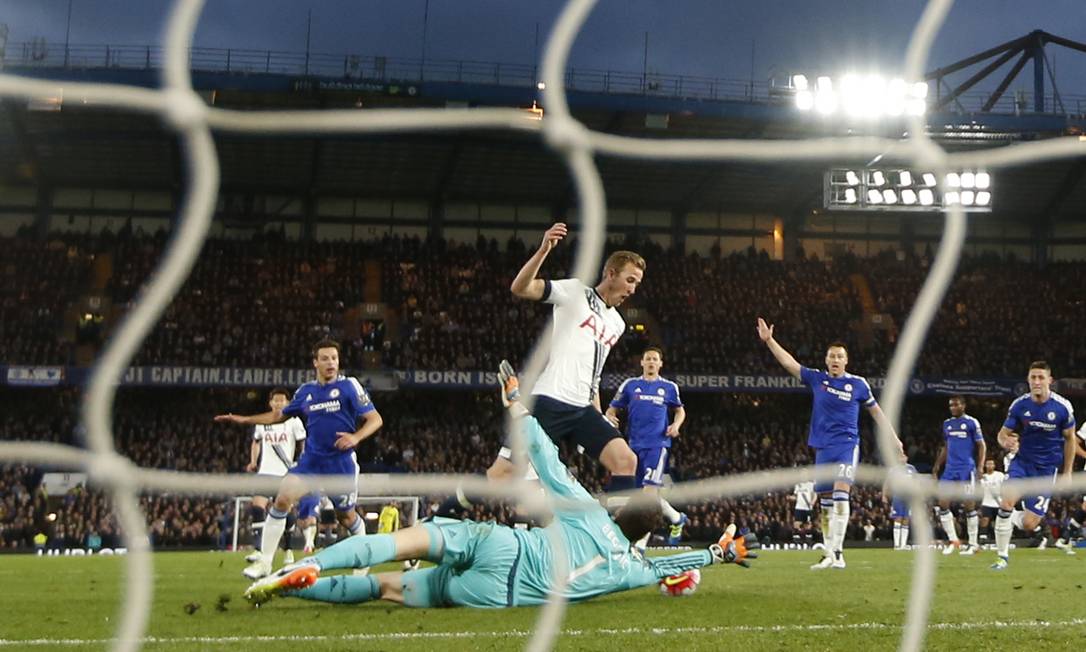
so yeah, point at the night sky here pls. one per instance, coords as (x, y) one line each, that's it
(695, 37)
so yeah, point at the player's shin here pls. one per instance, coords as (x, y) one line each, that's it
(343, 589)
(972, 526)
(897, 536)
(825, 510)
(1003, 530)
(310, 534)
(839, 519)
(670, 513)
(946, 519)
(357, 552)
(274, 525)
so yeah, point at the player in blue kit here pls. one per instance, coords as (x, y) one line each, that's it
(332, 406)
(648, 400)
(961, 461)
(900, 513)
(1040, 429)
(489, 565)
(834, 433)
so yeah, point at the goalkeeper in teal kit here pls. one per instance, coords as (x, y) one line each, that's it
(491, 565)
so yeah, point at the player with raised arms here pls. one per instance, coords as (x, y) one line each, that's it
(332, 406)
(1040, 430)
(492, 565)
(834, 433)
(648, 400)
(961, 461)
(272, 452)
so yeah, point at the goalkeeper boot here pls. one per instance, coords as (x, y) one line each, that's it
(288, 578)
(675, 534)
(731, 549)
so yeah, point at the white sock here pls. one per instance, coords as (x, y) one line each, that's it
(670, 513)
(839, 523)
(1003, 529)
(825, 508)
(972, 526)
(274, 525)
(643, 542)
(904, 535)
(358, 526)
(897, 535)
(310, 534)
(1018, 519)
(946, 518)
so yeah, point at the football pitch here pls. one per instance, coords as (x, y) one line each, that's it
(70, 603)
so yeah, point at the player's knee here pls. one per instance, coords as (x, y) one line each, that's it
(619, 460)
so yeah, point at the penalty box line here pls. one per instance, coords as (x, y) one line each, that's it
(519, 633)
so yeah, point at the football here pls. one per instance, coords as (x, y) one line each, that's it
(684, 583)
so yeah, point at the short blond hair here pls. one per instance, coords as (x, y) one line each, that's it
(620, 259)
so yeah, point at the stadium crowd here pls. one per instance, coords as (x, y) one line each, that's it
(260, 302)
(424, 432)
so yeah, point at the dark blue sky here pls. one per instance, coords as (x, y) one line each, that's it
(697, 37)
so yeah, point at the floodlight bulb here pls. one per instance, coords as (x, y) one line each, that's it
(916, 107)
(905, 178)
(799, 82)
(805, 100)
(968, 179)
(889, 196)
(824, 84)
(825, 102)
(926, 197)
(877, 178)
(953, 180)
(983, 180)
(951, 198)
(929, 179)
(852, 178)
(874, 196)
(967, 197)
(908, 196)
(919, 90)
(984, 198)
(850, 195)
(541, 86)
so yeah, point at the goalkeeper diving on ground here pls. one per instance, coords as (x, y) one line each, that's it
(484, 564)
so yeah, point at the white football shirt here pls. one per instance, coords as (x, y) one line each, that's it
(805, 495)
(277, 445)
(583, 331)
(993, 488)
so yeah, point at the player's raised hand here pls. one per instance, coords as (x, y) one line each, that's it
(345, 441)
(765, 331)
(553, 236)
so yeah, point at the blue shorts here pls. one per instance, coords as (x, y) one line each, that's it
(309, 506)
(965, 475)
(344, 464)
(844, 457)
(1036, 503)
(477, 567)
(652, 465)
(899, 508)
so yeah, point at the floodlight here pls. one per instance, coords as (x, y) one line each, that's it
(874, 196)
(824, 85)
(926, 197)
(541, 86)
(967, 197)
(850, 195)
(951, 198)
(929, 179)
(908, 196)
(953, 180)
(895, 97)
(799, 82)
(915, 107)
(984, 198)
(919, 90)
(805, 100)
(878, 178)
(968, 179)
(904, 178)
(852, 178)
(983, 180)
(889, 196)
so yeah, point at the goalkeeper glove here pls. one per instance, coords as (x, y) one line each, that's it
(507, 377)
(733, 550)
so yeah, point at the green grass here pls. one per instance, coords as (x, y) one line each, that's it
(778, 605)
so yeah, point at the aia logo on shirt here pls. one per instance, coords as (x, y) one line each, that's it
(599, 331)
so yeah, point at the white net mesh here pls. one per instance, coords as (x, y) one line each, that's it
(192, 120)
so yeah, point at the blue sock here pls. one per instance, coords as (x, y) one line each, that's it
(346, 589)
(358, 552)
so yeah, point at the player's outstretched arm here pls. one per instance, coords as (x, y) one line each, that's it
(786, 360)
(731, 549)
(525, 285)
(882, 422)
(263, 419)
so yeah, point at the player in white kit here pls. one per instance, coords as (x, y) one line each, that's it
(991, 481)
(272, 453)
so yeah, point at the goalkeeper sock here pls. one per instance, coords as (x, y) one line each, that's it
(344, 589)
(946, 519)
(357, 552)
(1003, 529)
(972, 526)
(670, 513)
(273, 531)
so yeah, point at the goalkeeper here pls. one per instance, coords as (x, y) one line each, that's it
(491, 565)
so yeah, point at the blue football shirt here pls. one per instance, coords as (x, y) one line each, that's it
(647, 403)
(961, 433)
(835, 413)
(1040, 427)
(329, 409)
